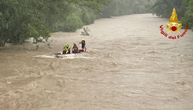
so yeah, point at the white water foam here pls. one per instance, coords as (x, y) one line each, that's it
(67, 56)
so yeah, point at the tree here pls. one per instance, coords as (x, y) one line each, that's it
(23, 19)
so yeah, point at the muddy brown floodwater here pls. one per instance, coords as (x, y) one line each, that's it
(130, 67)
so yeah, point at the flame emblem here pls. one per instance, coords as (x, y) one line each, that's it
(174, 25)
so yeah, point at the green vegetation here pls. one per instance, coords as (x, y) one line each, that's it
(184, 9)
(23, 19)
(188, 17)
(125, 7)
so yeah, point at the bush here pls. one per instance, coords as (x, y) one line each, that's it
(126, 7)
(72, 22)
(188, 18)
(88, 16)
(20, 21)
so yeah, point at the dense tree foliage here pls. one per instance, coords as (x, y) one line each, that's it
(125, 7)
(23, 19)
(184, 8)
(188, 17)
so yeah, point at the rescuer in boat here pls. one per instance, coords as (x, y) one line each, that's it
(75, 49)
(83, 46)
(66, 49)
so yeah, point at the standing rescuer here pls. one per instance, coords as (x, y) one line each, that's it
(83, 46)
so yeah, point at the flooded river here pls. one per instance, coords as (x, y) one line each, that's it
(129, 66)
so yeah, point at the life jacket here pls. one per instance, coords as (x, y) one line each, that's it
(66, 49)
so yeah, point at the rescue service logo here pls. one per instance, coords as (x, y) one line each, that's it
(173, 29)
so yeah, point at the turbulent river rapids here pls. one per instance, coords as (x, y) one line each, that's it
(129, 65)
